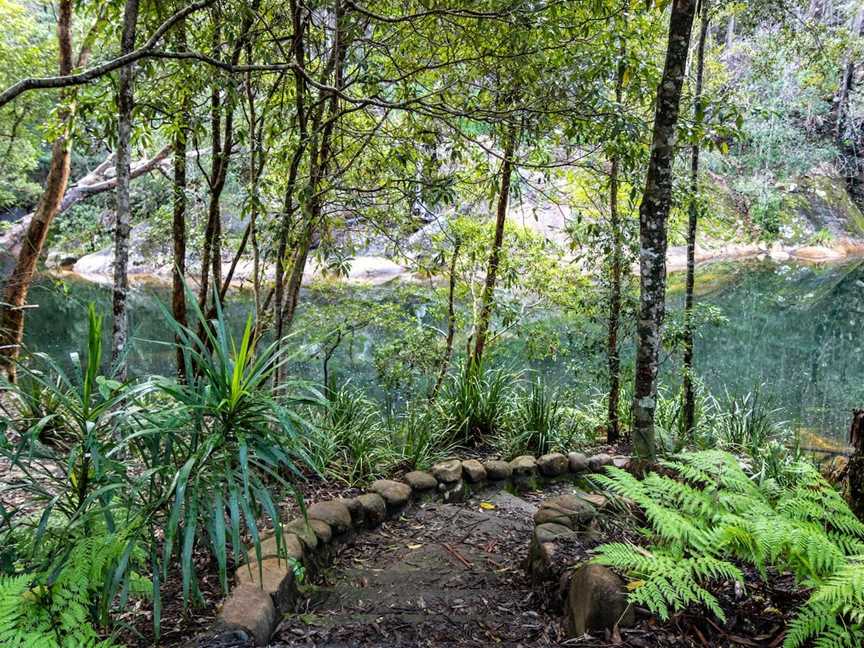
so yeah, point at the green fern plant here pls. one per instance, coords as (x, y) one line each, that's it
(713, 512)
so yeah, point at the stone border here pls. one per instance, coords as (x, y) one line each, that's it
(266, 591)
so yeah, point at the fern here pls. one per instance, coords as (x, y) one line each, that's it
(712, 512)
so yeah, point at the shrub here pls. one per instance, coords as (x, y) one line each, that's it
(537, 423)
(475, 401)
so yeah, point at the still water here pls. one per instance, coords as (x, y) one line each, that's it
(796, 330)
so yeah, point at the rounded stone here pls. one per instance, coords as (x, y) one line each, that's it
(473, 471)
(523, 466)
(374, 508)
(567, 510)
(303, 530)
(395, 494)
(251, 608)
(599, 461)
(597, 602)
(550, 532)
(552, 464)
(448, 471)
(291, 548)
(621, 461)
(354, 509)
(497, 470)
(578, 462)
(334, 513)
(420, 480)
(275, 577)
(322, 530)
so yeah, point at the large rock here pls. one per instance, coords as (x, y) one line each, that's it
(599, 461)
(524, 466)
(374, 509)
(322, 531)
(354, 509)
(420, 480)
(448, 471)
(304, 530)
(570, 511)
(497, 470)
(275, 577)
(552, 464)
(334, 513)
(596, 602)
(578, 462)
(291, 547)
(550, 532)
(473, 471)
(395, 494)
(251, 608)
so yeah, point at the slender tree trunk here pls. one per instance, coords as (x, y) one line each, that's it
(653, 214)
(125, 99)
(487, 299)
(178, 225)
(451, 323)
(18, 284)
(613, 424)
(848, 78)
(693, 217)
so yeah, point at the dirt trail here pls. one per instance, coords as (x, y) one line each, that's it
(440, 575)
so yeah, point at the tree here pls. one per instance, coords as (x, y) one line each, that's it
(653, 215)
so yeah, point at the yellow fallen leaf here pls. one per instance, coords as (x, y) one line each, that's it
(414, 546)
(634, 585)
(487, 506)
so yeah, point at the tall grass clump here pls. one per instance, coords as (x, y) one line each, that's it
(475, 401)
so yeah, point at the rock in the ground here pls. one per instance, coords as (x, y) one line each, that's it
(395, 494)
(599, 461)
(420, 480)
(322, 530)
(453, 492)
(497, 470)
(524, 466)
(291, 547)
(448, 471)
(374, 509)
(251, 608)
(568, 510)
(597, 601)
(596, 500)
(552, 464)
(621, 461)
(275, 577)
(474, 471)
(303, 530)
(578, 462)
(541, 556)
(354, 509)
(550, 532)
(334, 513)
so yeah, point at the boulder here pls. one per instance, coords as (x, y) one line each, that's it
(291, 548)
(304, 530)
(621, 461)
(550, 532)
(570, 511)
(552, 464)
(473, 471)
(578, 462)
(596, 602)
(251, 608)
(599, 461)
(395, 494)
(322, 531)
(334, 513)
(524, 466)
(374, 509)
(448, 471)
(275, 577)
(354, 509)
(497, 470)
(420, 480)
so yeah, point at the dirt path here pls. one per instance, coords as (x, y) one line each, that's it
(440, 575)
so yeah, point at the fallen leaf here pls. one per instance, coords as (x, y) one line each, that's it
(487, 506)
(414, 546)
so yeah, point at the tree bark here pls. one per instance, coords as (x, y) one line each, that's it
(692, 221)
(451, 324)
(125, 99)
(613, 424)
(487, 299)
(848, 78)
(855, 467)
(178, 223)
(18, 285)
(653, 215)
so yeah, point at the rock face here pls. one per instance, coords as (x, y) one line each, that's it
(597, 601)
(448, 471)
(524, 466)
(497, 470)
(395, 494)
(334, 513)
(374, 509)
(474, 471)
(251, 608)
(552, 464)
(567, 510)
(578, 462)
(420, 480)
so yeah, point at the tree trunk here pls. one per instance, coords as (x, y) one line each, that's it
(18, 285)
(178, 224)
(693, 216)
(495, 254)
(613, 424)
(855, 467)
(847, 80)
(451, 324)
(125, 98)
(653, 214)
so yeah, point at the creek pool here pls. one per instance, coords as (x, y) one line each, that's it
(794, 331)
